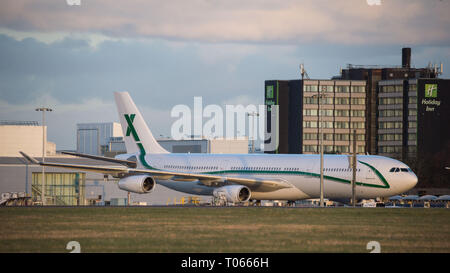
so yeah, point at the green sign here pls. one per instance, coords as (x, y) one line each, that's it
(431, 90)
(269, 92)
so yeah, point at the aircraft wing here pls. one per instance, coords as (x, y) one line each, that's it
(264, 185)
(127, 163)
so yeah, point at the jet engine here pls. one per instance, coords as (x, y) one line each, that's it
(233, 193)
(137, 183)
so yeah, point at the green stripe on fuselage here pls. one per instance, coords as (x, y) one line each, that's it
(327, 177)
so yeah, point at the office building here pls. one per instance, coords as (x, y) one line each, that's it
(93, 138)
(412, 117)
(373, 74)
(25, 136)
(287, 133)
(343, 108)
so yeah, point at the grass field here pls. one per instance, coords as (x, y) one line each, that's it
(224, 229)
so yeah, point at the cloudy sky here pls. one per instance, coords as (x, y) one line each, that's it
(73, 57)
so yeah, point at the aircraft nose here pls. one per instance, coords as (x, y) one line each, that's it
(412, 181)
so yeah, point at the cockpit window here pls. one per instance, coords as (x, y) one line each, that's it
(396, 170)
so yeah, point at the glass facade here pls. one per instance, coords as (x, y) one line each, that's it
(64, 189)
(93, 138)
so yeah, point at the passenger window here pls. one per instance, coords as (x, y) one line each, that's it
(404, 170)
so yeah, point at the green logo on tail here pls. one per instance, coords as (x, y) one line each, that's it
(131, 129)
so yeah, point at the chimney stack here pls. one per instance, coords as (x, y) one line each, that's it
(406, 57)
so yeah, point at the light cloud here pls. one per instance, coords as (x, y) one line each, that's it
(290, 21)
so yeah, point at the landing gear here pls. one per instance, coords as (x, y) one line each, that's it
(254, 202)
(291, 203)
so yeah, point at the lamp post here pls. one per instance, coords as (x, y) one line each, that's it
(319, 96)
(253, 114)
(43, 110)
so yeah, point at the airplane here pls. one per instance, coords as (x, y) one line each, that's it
(240, 177)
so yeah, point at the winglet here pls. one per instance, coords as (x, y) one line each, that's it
(29, 158)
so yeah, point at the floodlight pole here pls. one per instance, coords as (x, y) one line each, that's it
(319, 96)
(354, 170)
(253, 114)
(43, 110)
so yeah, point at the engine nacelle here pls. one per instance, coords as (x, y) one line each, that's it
(233, 193)
(137, 183)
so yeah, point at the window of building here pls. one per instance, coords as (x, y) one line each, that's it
(390, 125)
(310, 124)
(310, 148)
(391, 101)
(357, 113)
(390, 149)
(412, 112)
(327, 101)
(412, 124)
(342, 113)
(342, 149)
(327, 124)
(359, 137)
(342, 101)
(326, 88)
(309, 136)
(326, 112)
(391, 113)
(341, 125)
(357, 125)
(358, 89)
(358, 101)
(342, 89)
(310, 112)
(342, 137)
(412, 100)
(412, 136)
(310, 88)
(310, 100)
(328, 148)
(399, 88)
(390, 137)
(327, 136)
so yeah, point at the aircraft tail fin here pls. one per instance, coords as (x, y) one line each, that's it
(138, 137)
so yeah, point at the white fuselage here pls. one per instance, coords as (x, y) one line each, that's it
(374, 176)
